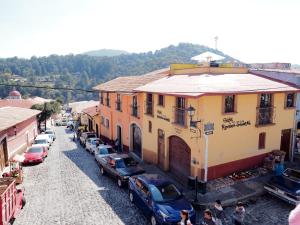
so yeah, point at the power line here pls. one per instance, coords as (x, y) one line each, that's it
(49, 88)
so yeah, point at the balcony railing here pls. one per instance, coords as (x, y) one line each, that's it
(134, 110)
(119, 106)
(180, 116)
(264, 115)
(149, 108)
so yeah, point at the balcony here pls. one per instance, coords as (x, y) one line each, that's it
(264, 116)
(134, 110)
(149, 108)
(180, 116)
(119, 106)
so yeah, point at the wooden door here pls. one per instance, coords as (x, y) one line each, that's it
(161, 148)
(2, 155)
(285, 144)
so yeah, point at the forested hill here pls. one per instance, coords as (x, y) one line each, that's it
(83, 71)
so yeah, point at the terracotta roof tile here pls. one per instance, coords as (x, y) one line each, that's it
(129, 83)
(10, 116)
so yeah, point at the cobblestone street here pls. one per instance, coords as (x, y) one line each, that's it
(67, 189)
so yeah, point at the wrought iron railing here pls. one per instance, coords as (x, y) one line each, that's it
(149, 108)
(264, 115)
(134, 110)
(180, 116)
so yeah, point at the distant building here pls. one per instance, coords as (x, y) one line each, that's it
(14, 94)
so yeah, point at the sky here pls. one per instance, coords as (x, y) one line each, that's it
(249, 30)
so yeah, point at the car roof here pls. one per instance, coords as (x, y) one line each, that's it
(42, 136)
(154, 179)
(119, 156)
(104, 146)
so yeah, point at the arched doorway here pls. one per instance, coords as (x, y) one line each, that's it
(179, 158)
(136, 139)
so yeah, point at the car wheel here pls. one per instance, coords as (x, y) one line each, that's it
(131, 198)
(120, 183)
(153, 221)
(102, 171)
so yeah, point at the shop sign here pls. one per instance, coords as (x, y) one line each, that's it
(229, 123)
(209, 128)
(161, 116)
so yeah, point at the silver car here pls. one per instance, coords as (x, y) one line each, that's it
(102, 151)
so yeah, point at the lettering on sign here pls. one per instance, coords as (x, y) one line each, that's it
(229, 123)
(161, 116)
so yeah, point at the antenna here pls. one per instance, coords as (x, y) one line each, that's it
(216, 42)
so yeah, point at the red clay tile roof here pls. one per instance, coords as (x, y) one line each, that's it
(197, 85)
(129, 83)
(10, 116)
(91, 111)
(22, 103)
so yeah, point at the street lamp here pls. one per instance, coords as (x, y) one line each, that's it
(191, 111)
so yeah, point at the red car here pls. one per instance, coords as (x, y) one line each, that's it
(35, 155)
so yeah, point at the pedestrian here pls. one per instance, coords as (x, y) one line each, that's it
(294, 217)
(239, 214)
(208, 218)
(184, 214)
(219, 213)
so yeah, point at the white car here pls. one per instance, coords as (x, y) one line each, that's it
(90, 144)
(102, 151)
(45, 135)
(51, 133)
(41, 141)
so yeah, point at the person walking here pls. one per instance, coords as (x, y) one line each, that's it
(238, 215)
(219, 213)
(184, 214)
(208, 218)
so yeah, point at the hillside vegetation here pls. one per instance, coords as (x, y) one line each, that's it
(83, 71)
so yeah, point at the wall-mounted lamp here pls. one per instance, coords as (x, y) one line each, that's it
(191, 111)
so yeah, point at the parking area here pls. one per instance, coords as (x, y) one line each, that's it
(68, 189)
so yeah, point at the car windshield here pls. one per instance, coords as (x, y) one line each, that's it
(40, 141)
(91, 136)
(164, 193)
(35, 150)
(125, 162)
(48, 132)
(292, 174)
(105, 151)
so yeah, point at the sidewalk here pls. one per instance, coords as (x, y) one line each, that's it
(230, 195)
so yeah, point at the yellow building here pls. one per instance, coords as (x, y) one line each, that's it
(90, 118)
(246, 116)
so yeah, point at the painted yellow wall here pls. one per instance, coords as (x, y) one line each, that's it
(224, 145)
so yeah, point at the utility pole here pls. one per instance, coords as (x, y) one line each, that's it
(216, 42)
(206, 158)
(45, 116)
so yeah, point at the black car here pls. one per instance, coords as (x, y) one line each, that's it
(286, 186)
(120, 167)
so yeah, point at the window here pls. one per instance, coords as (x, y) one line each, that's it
(150, 127)
(265, 100)
(107, 100)
(107, 123)
(290, 100)
(119, 103)
(134, 107)
(180, 112)
(149, 104)
(102, 120)
(101, 98)
(262, 140)
(229, 104)
(161, 100)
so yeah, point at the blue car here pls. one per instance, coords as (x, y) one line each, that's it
(159, 199)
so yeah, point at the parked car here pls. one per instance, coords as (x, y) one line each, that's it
(12, 200)
(51, 133)
(45, 136)
(102, 151)
(57, 122)
(35, 155)
(85, 135)
(159, 199)
(120, 167)
(41, 142)
(286, 186)
(91, 144)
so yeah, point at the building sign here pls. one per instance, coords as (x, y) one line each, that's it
(161, 116)
(229, 123)
(209, 128)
